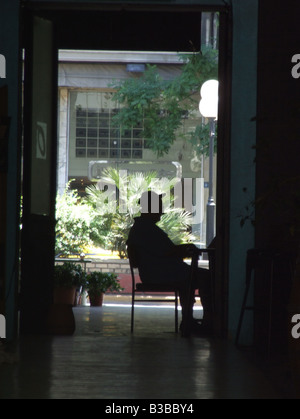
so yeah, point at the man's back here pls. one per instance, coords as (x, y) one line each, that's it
(152, 247)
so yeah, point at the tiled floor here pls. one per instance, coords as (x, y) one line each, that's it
(102, 360)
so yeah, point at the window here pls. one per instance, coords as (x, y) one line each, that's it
(96, 137)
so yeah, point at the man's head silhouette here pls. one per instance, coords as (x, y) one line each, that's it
(151, 205)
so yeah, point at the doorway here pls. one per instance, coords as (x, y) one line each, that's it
(107, 28)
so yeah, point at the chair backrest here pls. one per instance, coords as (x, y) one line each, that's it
(132, 256)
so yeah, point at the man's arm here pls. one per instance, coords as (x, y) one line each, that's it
(182, 250)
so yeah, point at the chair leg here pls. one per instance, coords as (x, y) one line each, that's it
(176, 311)
(244, 305)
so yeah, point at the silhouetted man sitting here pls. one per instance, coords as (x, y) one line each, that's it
(161, 261)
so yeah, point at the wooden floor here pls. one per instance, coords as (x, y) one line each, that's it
(103, 360)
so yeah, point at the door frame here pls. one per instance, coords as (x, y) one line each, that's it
(38, 224)
(224, 124)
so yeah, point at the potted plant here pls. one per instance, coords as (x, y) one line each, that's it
(68, 277)
(98, 283)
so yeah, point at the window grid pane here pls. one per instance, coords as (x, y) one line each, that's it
(97, 137)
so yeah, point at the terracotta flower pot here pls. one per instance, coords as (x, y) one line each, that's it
(96, 300)
(64, 295)
(61, 320)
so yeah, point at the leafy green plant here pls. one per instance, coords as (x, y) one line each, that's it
(69, 275)
(76, 224)
(163, 105)
(200, 137)
(101, 282)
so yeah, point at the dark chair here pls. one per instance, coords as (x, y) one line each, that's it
(149, 288)
(264, 263)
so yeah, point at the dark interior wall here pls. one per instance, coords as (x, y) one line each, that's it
(10, 177)
(242, 155)
(278, 122)
(277, 159)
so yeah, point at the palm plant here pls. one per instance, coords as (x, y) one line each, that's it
(176, 221)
